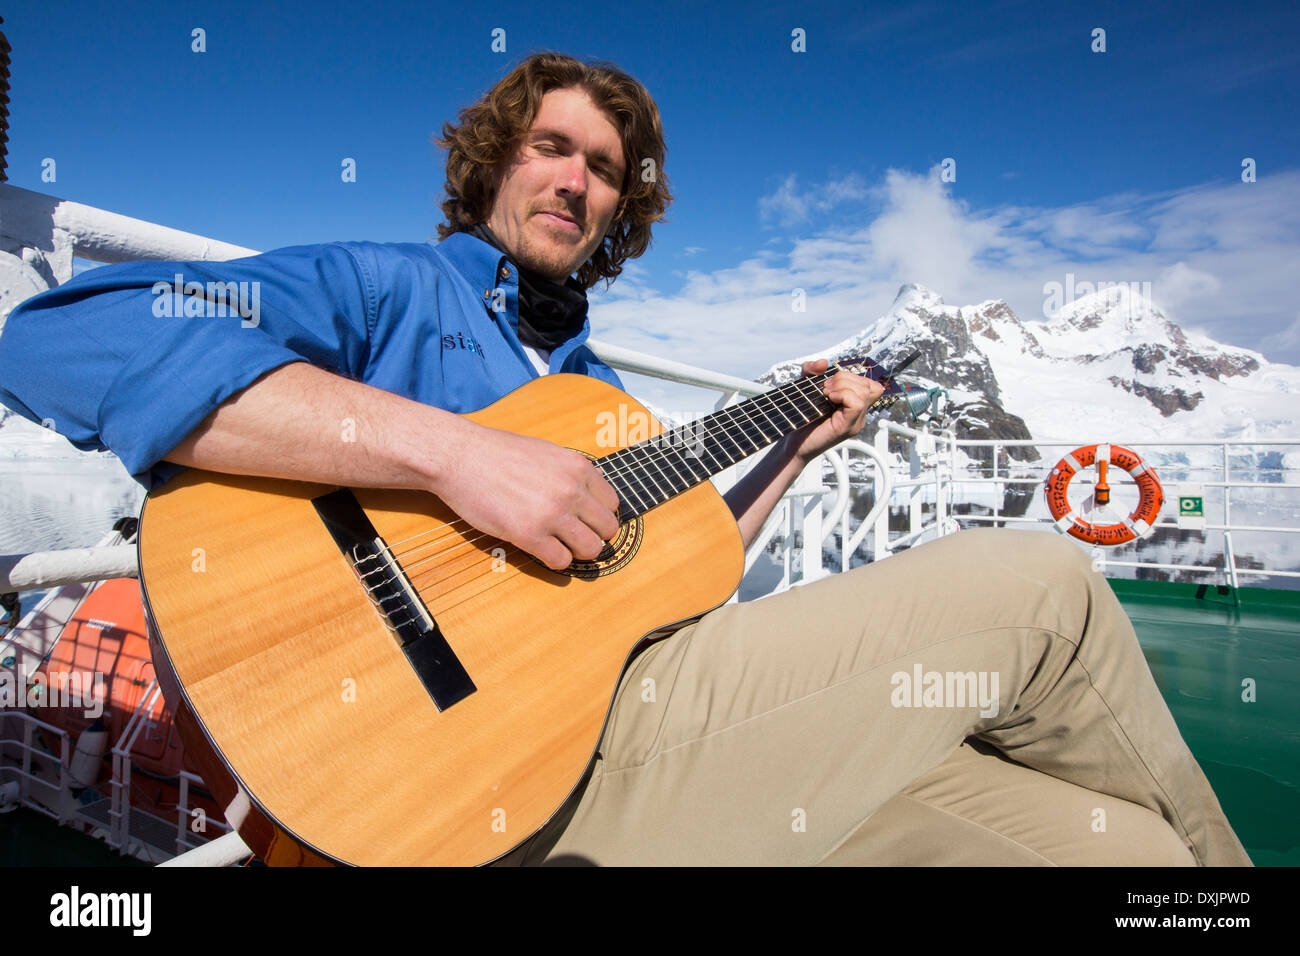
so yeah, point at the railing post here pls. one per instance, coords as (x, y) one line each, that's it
(1230, 563)
(811, 509)
(1227, 492)
(789, 540)
(182, 811)
(845, 554)
(880, 544)
(915, 499)
(997, 487)
(940, 506)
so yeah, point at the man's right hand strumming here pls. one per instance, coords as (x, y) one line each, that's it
(549, 501)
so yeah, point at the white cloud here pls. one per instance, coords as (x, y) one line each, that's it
(1288, 339)
(790, 207)
(923, 235)
(1180, 284)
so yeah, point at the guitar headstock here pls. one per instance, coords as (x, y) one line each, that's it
(866, 366)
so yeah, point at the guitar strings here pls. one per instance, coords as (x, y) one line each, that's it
(469, 542)
(625, 471)
(616, 472)
(628, 469)
(472, 567)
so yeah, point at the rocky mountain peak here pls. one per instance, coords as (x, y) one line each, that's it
(1112, 317)
(1108, 355)
(917, 297)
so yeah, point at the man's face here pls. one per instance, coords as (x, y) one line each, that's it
(558, 193)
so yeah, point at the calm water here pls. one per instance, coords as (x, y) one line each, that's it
(47, 505)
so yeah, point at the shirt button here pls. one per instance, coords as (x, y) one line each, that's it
(487, 293)
(505, 272)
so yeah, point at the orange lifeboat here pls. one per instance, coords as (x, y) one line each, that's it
(95, 678)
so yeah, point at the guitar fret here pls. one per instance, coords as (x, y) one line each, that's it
(769, 415)
(692, 454)
(798, 392)
(723, 432)
(633, 490)
(680, 469)
(653, 479)
(636, 482)
(660, 459)
(622, 481)
(640, 476)
(635, 474)
(651, 472)
(817, 405)
(743, 433)
(665, 451)
(703, 440)
(696, 447)
(748, 424)
(777, 407)
(692, 478)
(781, 424)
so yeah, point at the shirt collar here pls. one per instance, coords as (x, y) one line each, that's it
(480, 263)
(473, 258)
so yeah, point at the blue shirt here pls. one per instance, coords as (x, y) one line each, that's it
(133, 358)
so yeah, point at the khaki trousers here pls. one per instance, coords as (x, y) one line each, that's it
(794, 729)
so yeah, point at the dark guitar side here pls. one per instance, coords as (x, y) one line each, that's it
(302, 712)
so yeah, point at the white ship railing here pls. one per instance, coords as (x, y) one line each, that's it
(35, 765)
(936, 472)
(188, 819)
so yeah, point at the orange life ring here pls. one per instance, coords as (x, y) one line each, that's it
(1138, 524)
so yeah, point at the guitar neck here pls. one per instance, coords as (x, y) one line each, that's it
(653, 471)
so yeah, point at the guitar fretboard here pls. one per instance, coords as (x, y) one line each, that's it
(651, 472)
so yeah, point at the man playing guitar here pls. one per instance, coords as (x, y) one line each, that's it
(767, 732)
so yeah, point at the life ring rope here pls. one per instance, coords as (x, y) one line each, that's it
(1139, 524)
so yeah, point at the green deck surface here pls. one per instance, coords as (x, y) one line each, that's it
(1203, 650)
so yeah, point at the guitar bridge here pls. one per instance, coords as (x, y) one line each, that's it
(395, 599)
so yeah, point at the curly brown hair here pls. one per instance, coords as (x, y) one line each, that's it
(492, 129)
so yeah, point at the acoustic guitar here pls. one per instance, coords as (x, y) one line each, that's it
(361, 677)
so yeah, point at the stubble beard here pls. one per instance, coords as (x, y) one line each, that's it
(551, 257)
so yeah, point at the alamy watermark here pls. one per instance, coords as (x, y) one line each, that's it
(946, 689)
(68, 690)
(179, 298)
(633, 426)
(75, 908)
(1056, 295)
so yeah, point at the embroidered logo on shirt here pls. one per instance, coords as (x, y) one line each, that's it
(459, 341)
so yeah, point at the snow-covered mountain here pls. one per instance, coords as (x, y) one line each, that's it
(1109, 366)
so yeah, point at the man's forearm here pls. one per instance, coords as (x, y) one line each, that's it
(302, 422)
(753, 497)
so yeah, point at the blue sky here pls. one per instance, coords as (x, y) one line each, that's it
(814, 169)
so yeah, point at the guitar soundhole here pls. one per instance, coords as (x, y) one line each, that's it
(616, 553)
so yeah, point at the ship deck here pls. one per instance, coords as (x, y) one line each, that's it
(1229, 669)
(1230, 673)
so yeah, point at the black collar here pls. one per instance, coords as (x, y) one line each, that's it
(550, 312)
